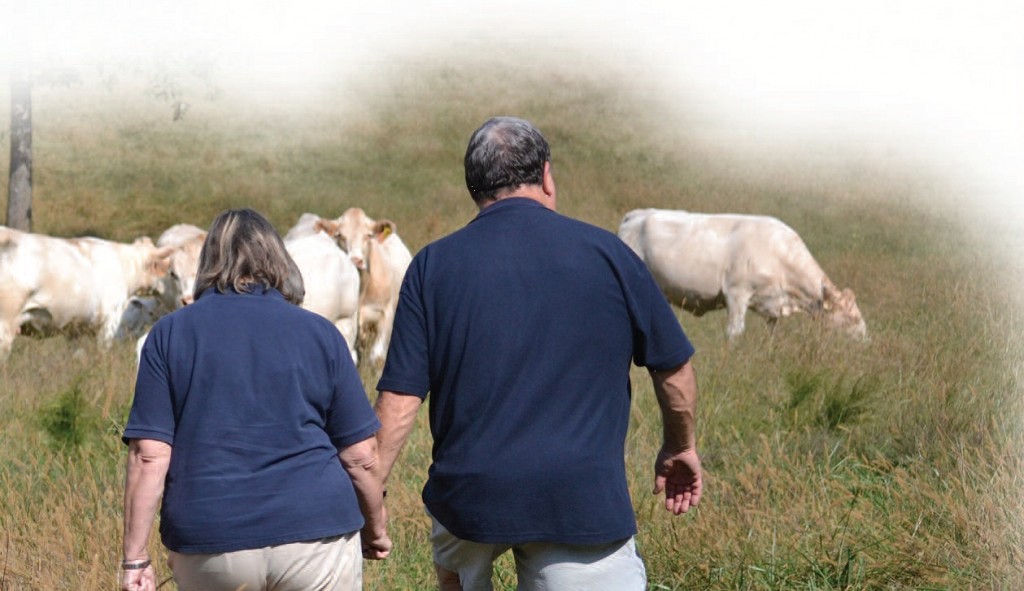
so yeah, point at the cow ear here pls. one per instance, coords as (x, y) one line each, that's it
(329, 227)
(159, 266)
(382, 229)
(164, 251)
(160, 261)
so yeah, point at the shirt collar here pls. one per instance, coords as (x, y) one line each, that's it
(257, 289)
(507, 203)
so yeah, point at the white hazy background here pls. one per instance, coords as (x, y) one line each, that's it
(937, 82)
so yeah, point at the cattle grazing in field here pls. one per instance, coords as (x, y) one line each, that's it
(382, 259)
(331, 282)
(49, 284)
(187, 242)
(704, 262)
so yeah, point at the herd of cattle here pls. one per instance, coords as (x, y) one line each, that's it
(353, 266)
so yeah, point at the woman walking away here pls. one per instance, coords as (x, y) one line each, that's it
(251, 424)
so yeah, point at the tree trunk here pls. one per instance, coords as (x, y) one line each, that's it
(19, 188)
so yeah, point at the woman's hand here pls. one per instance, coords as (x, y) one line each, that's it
(143, 579)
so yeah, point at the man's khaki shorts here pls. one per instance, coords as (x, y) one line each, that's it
(542, 566)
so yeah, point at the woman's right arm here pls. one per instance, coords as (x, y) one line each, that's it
(148, 461)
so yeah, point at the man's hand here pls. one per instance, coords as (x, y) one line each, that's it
(678, 474)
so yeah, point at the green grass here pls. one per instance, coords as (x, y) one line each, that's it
(830, 465)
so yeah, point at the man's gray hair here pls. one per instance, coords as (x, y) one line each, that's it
(504, 153)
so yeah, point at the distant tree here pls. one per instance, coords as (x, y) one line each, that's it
(19, 187)
(168, 79)
(165, 84)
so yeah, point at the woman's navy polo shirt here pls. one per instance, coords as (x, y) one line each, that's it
(256, 396)
(522, 327)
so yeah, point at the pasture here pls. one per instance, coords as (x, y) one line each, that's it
(894, 464)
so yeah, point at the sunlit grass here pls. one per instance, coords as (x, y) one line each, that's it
(892, 464)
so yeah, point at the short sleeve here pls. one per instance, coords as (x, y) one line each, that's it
(152, 412)
(407, 368)
(350, 418)
(659, 342)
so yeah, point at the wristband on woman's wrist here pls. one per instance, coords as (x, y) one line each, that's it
(134, 564)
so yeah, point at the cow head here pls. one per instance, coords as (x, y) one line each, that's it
(182, 278)
(354, 229)
(355, 232)
(157, 270)
(159, 263)
(185, 265)
(184, 244)
(843, 313)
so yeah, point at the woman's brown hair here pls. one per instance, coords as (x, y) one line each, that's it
(242, 248)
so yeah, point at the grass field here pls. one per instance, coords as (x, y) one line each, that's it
(894, 464)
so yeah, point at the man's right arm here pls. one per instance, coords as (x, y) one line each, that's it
(397, 414)
(677, 469)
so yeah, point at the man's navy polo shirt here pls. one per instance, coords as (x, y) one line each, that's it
(255, 395)
(522, 327)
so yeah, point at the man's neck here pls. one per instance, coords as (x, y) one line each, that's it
(534, 192)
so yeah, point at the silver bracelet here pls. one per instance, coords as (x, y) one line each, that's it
(134, 564)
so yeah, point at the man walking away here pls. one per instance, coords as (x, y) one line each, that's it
(522, 327)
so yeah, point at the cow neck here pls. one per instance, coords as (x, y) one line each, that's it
(372, 279)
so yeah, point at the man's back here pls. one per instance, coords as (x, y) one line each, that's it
(530, 321)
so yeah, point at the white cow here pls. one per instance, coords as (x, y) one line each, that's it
(308, 224)
(331, 282)
(382, 259)
(187, 242)
(705, 262)
(52, 284)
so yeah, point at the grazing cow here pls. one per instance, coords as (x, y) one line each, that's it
(382, 258)
(331, 282)
(187, 242)
(52, 284)
(705, 262)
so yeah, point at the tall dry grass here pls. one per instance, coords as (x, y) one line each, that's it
(893, 464)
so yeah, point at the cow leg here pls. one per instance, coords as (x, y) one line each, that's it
(382, 339)
(10, 322)
(110, 330)
(736, 303)
(349, 328)
(8, 331)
